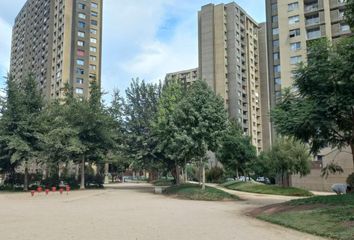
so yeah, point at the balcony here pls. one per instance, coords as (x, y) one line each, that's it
(312, 21)
(311, 8)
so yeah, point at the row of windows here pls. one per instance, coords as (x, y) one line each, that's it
(82, 6)
(83, 15)
(83, 24)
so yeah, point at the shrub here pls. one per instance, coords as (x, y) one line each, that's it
(350, 180)
(215, 175)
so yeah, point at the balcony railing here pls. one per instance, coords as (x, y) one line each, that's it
(312, 21)
(310, 8)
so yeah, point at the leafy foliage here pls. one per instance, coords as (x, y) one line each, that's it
(321, 111)
(236, 151)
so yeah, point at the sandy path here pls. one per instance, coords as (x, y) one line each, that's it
(131, 212)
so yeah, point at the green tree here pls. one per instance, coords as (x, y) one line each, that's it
(164, 128)
(139, 113)
(236, 151)
(61, 142)
(201, 119)
(321, 111)
(20, 129)
(349, 13)
(286, 157)
(91, 120)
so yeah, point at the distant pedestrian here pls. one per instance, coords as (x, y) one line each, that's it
(340, 188)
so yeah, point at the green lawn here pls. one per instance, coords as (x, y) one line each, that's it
(266, 189)
(194, 192)
(328, 216)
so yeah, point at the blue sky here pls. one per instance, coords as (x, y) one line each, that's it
(141, 38)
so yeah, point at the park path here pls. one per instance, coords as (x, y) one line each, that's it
(132, 212)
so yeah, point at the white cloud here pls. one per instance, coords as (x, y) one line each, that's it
(5, 47)
(133, 47)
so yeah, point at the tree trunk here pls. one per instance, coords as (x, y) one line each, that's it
(237, 174)
(185, 174)
(77, 170)
(178, 179)
(203, 173)
(106, 167)
(352, 148)
(25, 182)
(82, 184)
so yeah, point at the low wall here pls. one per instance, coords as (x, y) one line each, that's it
(315, 182)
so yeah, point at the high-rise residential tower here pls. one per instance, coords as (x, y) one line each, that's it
(59, 41)
(291, 24)
(229, 63)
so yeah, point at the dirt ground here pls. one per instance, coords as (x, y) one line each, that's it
(133, 212)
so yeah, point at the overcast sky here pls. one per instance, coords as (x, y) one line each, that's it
(141, 38)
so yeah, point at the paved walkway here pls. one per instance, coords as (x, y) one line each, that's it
(132, 212)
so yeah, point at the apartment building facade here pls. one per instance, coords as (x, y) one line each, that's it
(291, 24)
(59, 42)
(187, 77)
(229, 63)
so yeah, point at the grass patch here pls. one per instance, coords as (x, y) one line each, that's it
(267, 189)
(194, 192)
(163, 182)
(327, 216)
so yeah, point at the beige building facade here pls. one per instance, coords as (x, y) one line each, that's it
(187, 77)
(59, 42)
(229, 63)
(291, 25)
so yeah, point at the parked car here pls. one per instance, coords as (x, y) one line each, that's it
(263, 180)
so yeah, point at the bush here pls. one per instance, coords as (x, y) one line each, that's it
(215, 175)
(350, 180)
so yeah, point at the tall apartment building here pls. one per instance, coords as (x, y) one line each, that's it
(229, 63)
(59, 41)
(291, 24)
(187, 77)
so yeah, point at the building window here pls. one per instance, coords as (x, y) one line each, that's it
(82, 6)
(294, 19)
(295, 60)
(94, 22)
(94, 14)
(93, 67)
(344, 27)
(275, 31)
(92, 58)
(79, 90)
(92, 76)
(295, 46)
(294, 33)
(277, 69)
(275, 19)
(93, 40)
(341, 13)
(82, 15)
(80, 71)
(81, 34)
(80, 43)
(81, 24)
(80, 53)
(79, 81)
(80, 62)
(94, 5)
(293, 6)
(276, 56)
(93, 49)
(274, 7)
(277, 81)
(313, 33)
(93, 31)
(275, 43)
